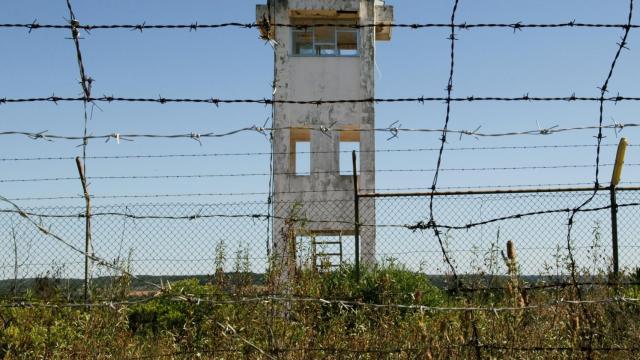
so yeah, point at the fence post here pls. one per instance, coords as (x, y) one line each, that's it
(87, 241)
(356, 208)
(615, 180)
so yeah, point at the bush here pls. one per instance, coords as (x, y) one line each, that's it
(381, 284)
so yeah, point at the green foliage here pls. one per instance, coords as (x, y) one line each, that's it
(192, 319)
(383, 284)
(165, 313)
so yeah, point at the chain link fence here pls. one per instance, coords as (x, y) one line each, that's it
(184, 240)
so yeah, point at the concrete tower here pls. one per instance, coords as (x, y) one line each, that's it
(313, 173)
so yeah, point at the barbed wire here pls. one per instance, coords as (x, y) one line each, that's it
(603, 90)
(265, 101)
(313, 173)
(420, 225)
(250, 154)
(35, 25)
(515, 186)
(393, 131)
(569, 211)
(443, 141)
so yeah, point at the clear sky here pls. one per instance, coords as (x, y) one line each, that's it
(235, 63)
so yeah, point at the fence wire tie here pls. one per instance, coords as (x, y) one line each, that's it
(74, 26)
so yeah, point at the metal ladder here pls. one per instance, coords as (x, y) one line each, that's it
(324, 259)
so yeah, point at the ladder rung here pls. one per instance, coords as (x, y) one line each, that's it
(327, 243)
(328, 254)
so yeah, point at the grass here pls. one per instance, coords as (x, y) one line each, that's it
(175, 325)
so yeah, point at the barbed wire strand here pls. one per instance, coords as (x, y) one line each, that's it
(443, 141)
(515, 186)
(303, 219)
(35, 25)
(250, 154)
(219, 101)
(394, 131)
(603, 90)
(224, 175)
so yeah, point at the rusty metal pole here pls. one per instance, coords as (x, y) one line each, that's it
(356, 211)
(88, 247)
(615, 180)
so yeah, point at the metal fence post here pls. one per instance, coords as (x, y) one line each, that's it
(356, 212)
(88, 246)
(615, 180)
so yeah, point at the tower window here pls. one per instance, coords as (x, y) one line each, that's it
(325, 41)
(347, 42)
(300, 152)
(303, 158)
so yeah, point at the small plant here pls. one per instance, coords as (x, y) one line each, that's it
(220, 263)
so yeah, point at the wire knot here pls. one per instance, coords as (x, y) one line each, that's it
(394, 130)
(195, 136)
(40, 135)
(139, 27)
(516, 26)
(34, 25)
(618, 98)
(54, 98)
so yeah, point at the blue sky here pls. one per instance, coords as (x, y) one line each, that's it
(234, 63)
